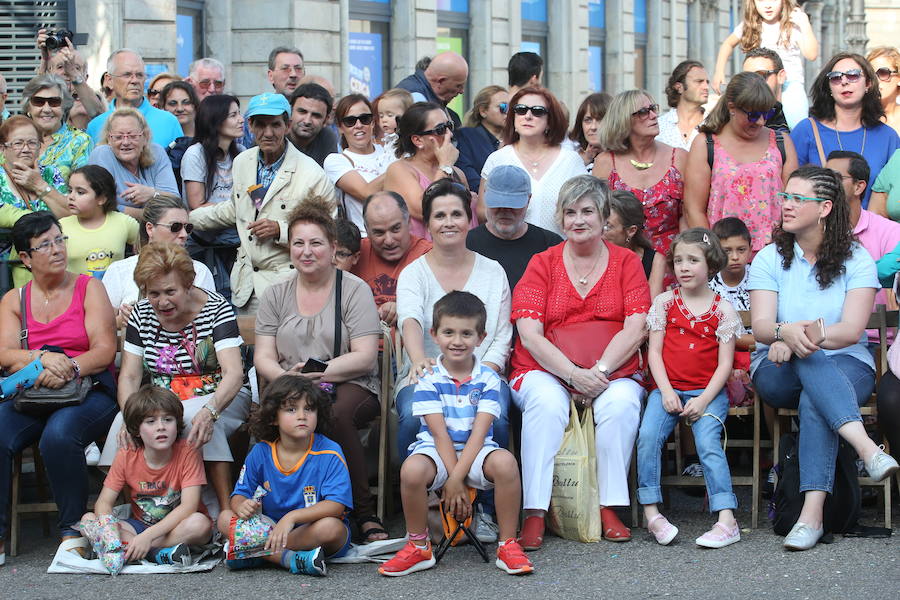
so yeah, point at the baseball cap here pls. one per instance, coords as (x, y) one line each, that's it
(267, 104)
(508, 186)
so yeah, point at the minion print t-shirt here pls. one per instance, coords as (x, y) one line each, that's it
(91, 251)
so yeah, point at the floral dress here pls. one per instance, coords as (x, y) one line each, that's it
(747, 191)
(68, 151)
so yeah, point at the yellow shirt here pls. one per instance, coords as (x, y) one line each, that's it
(91, 251)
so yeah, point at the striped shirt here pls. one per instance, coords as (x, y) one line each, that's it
(458, 401)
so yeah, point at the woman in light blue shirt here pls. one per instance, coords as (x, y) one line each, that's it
(815, 269)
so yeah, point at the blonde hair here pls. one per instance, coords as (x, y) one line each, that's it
(158, 259)
(752, 36)
(616, 125)
(482, 101)
(888, 52)
(747, 91)
(146, 159)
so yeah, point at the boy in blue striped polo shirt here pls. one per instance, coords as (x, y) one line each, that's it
(454, 449)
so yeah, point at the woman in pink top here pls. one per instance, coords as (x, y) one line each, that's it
(748, 167)
(69, 341)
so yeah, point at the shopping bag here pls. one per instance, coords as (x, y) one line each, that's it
(574, 502)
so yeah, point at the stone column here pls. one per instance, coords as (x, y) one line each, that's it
(709, 45)
(856, 27)
(824, 33)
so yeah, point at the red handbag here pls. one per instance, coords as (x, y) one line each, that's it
(584, 344)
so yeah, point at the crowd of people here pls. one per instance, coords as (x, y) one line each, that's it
(529, 261)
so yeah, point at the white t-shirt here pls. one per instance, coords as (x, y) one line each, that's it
(369, 166)
(121, 288)
(544, 191)
(790, 54)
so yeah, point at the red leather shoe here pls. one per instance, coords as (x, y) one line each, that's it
(532, 535)
(613, 529)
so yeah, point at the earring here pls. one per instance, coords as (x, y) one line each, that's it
(628, 240)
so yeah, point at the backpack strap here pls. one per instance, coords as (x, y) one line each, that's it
(779, 141)
(710, 149)
(337, 313)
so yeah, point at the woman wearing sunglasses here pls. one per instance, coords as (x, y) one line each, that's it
(156, 85)
(141, 168)
(425, 153)
(358, 170)
(532, 136)
(748, 166)
(164, 220)
(886, 63)
(481, 134)
(635, 162)
(846, 114)
(47, 102)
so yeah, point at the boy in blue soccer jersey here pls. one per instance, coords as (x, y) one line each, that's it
(305, 475)
(454, 448)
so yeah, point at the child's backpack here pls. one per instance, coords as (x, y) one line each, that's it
(841, 506)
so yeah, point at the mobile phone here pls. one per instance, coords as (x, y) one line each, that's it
(22, 379)
(314, 365)
(815, 331)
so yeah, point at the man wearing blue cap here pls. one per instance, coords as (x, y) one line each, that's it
(506, 237)
(269, 181)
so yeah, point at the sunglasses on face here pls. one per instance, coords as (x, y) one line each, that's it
(503, 107)
(53, 101)
(216, 84)
(852, 76)
(537, 111)
(153, 93)
(643, 113)
(766, 74)
(754, 115)
(350, 120)
(885, 74)
(440, 129)
(177, 226)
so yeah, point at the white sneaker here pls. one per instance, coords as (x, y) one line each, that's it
(485, 529)
(92, 454)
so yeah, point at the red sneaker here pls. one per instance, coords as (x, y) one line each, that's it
(532, 535)
(512, 559)
(409, 560)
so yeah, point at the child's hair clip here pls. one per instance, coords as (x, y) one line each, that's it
(706, 239)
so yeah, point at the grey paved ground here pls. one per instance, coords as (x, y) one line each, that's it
(754, 568)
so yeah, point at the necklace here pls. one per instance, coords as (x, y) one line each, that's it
(583, 279)
(841, 146)
(640, 166)
(47, 296)
(534, 164)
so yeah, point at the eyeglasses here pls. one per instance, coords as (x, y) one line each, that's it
(44, 247)
(797, 198)
(836, 77)
(439, 130)
(350, 120)
(503, 107)
(121, 137)
(343, 254)
(537, 111)
(153, 93)
(754, 115)
(216, 84)
(129, 75)
(766, 74)
(177, 226)
(19, 144)
(289, 68)
(53, 101)
(885, 74)
(643, 113)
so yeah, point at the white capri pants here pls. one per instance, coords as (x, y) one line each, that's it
(544, 403)
(216, 449)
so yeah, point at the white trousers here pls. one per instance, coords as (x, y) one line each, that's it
(544, 403)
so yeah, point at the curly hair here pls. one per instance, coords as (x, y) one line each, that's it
(822, 102)
(285, 392)
(679, 76)
(837, 241)
(752, 34)
(316, 210)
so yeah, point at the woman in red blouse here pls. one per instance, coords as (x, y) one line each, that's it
(582, 280)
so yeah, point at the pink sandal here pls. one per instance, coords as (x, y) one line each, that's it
(720, 536)
(664, 535)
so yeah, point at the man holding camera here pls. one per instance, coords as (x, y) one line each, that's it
(59, 57)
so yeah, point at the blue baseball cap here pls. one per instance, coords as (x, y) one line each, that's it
(270, 104)
(508, 186)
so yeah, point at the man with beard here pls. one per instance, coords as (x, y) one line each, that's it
(686, 92)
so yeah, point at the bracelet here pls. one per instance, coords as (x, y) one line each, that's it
(212, 411)
(76, 366)
(46, 191)
(778, 337)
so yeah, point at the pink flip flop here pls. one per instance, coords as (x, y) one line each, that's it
(664, 535)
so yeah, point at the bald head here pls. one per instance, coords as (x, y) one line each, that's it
(447, 74)
(387, 225)
(319, 80)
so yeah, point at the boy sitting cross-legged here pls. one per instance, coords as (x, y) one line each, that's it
(454, 448)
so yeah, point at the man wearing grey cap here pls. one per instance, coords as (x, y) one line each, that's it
(506, 237)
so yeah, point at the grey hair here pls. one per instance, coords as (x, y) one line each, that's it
(616, 125)
(583, 186)
(209, 63)
(43, 82)
(112, 58)
(283, 50)
(401, 203)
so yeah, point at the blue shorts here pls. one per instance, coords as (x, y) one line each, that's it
(347, 541)
(138, 525)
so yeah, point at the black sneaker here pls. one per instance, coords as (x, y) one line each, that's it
(768, 488)
(693, 469)
(179, 554)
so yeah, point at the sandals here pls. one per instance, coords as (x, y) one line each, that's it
(367, 533)
(666, 533)
(613, 529)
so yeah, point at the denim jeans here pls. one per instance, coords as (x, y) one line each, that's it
(408, 425)
(657, 425)
(827, 391)
(63, 437)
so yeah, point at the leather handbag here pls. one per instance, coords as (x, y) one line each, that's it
(584, 344)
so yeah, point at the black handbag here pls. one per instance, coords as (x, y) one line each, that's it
(40, 402)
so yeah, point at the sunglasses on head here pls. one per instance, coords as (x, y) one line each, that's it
(885, 74)
(537, 111)
(350, 120)
(754, 115)
(645, 112)
(177, 226)
(53, 101)
(852, 75)
(439, 130)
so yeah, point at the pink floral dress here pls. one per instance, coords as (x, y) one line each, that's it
(747, 191)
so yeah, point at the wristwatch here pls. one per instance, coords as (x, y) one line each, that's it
(448, 171)
(212, 411)
(603, 369)
(778, 337)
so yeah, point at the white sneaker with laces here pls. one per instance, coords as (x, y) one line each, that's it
(92, 454)
(485, 529)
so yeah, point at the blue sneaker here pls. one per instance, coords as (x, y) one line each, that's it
(179, 554)
(309, 562)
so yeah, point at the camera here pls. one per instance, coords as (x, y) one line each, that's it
(57, 39)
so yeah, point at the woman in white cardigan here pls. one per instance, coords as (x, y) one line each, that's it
(448, 266)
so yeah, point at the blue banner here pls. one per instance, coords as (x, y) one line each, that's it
(365, 64)
(595, 67)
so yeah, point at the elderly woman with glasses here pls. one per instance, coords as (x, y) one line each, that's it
(23, 184)
(141, 168)
(739, 165)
